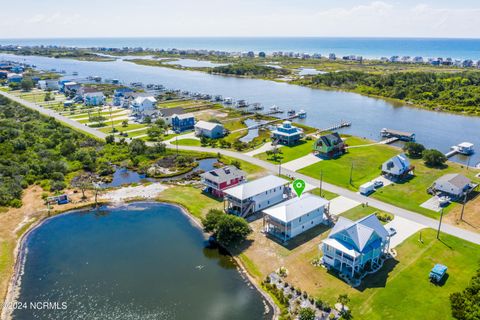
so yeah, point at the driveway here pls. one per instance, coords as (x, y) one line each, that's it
(341, 204)
(404, 227)
(302, 162)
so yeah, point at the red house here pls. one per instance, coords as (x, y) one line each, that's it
(220, 179)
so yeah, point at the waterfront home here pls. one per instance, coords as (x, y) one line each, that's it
(167, 113)
(397, 167)
(70, 87)
(353, 247)
(210, 130)
(329, 145)
(3, 74)
(143, 106)
(14, 78)
(183, 122)
(217, 180)
(287, 134)
(119, 94)
(96, 98)
(288, 219)
(250, 197)
(453, 184)
(48, 84)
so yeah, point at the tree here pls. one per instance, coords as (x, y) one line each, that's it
(147, 120)
(155, 132)
(137, 147)
(125, 123)
(83, 181)
(26, 84)
(49, 97)
(110, 139)
(466, 304)
(433, 158)
(227, 229)
(414, 149)
(274, 153)
(345, 314)
(343, 299)
(237, 164)
(306, 314)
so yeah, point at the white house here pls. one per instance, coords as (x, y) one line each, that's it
(96, 98)
(256, 195)
(209, 129)
(48, 84)
(167, 113)
(292, 217)
(143, 105)
(453, 184)
(397, 166)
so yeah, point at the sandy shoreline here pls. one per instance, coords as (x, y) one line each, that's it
(20, 251)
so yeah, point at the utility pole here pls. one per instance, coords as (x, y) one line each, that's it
(440, 224)
(111, 117)
(463, 206)
(280, 167)
(176, 142)
(351, 173)
(321, 181)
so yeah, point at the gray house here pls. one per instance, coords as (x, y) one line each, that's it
(453, 184)
(209, 129)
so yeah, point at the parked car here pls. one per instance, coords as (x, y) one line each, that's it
(378, 184)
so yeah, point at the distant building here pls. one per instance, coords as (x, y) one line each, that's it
(48, 84)
(295, 216)
(287, 134)
(3, 74)
(209, 129)
(183, 122)
(119, 94)
(329, 145)
(70, 87)
(352, 247)
(94, 98)
(14, 78)
(143, 106)
(332, 56)
(167, 113)
(454, 185)
(397, 167)
(250, 197)
(216, 181)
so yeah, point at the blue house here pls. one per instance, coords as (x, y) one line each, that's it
(183, 122)
(119, 93)
(354, 247)
(287, 134)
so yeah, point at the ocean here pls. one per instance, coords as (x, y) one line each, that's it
(367, 47)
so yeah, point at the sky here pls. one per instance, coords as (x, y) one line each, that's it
(190, 18)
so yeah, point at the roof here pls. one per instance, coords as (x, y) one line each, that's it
(466, 145)
(168, 112)
(253, 188)
(140, 100)
(207, 125)
(360, 231)
(95, 93)
(70, 83)
(296, 207)
(331, 139)
(183, 116)
(342, 247)
(222, 174)
(455, 179)
(399, 161)
(439, 269)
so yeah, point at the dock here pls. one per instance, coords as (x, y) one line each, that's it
(342, 124)
(401, 135)
(465, 148)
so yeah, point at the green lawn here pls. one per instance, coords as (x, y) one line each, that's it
(412, 193)
(366, 163)
(407, 292)
(289, 153)
(325, 194)
(188, 142)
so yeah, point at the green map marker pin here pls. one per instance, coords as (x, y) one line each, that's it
(299, 186)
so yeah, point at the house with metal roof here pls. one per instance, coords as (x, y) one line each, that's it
(329, 145)
(248, 198)
(96, 98)
(353, 247)
(143, 105)
(183, 122)
(210, 130)
(397, 166)
(288, 219)
(287, 134)
(217, 180)
(453, 184)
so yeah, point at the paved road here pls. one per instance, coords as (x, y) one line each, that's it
(410, 215)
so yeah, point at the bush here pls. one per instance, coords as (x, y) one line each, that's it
(414, 149)
(227, 229)
(306, 314)
(433, 158)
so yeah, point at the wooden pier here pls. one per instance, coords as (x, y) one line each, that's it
(401, 135)
(340, 125)
(465, 148)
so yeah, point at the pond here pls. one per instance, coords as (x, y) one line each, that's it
(252, 133)
(138, 261)
(192, 63)
(309, 71)
(124, 176)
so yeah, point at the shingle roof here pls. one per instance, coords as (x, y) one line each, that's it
(253, 188)
(296, 207)
(455, 179)
(168, 112)
(223, 174)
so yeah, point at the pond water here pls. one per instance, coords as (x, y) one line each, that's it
(252, 133)
(324, 108)
(138, 261)
(309, 71)
(192, 63)
(124, 176)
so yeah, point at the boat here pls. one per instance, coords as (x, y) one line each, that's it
(218, 98)
(302, 114)
(291, 112)
(465, 148)
(257, 106)
(228, 100)
(75, 73)
(241, 104)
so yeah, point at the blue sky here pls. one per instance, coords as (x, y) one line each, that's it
(109, 18)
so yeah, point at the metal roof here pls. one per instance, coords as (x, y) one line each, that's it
(207, 125)
(296, 207)
(253, 188)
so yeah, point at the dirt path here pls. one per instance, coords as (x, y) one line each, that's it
(471, 215)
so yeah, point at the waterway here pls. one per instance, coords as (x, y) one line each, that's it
(137, 261)
(324, 108)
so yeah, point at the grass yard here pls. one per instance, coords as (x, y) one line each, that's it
(366, 164)
(6, 263)
(188, 142)
(252, 170)
(289, 153)
(325, 194)
(411, 194)
(197, 203)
